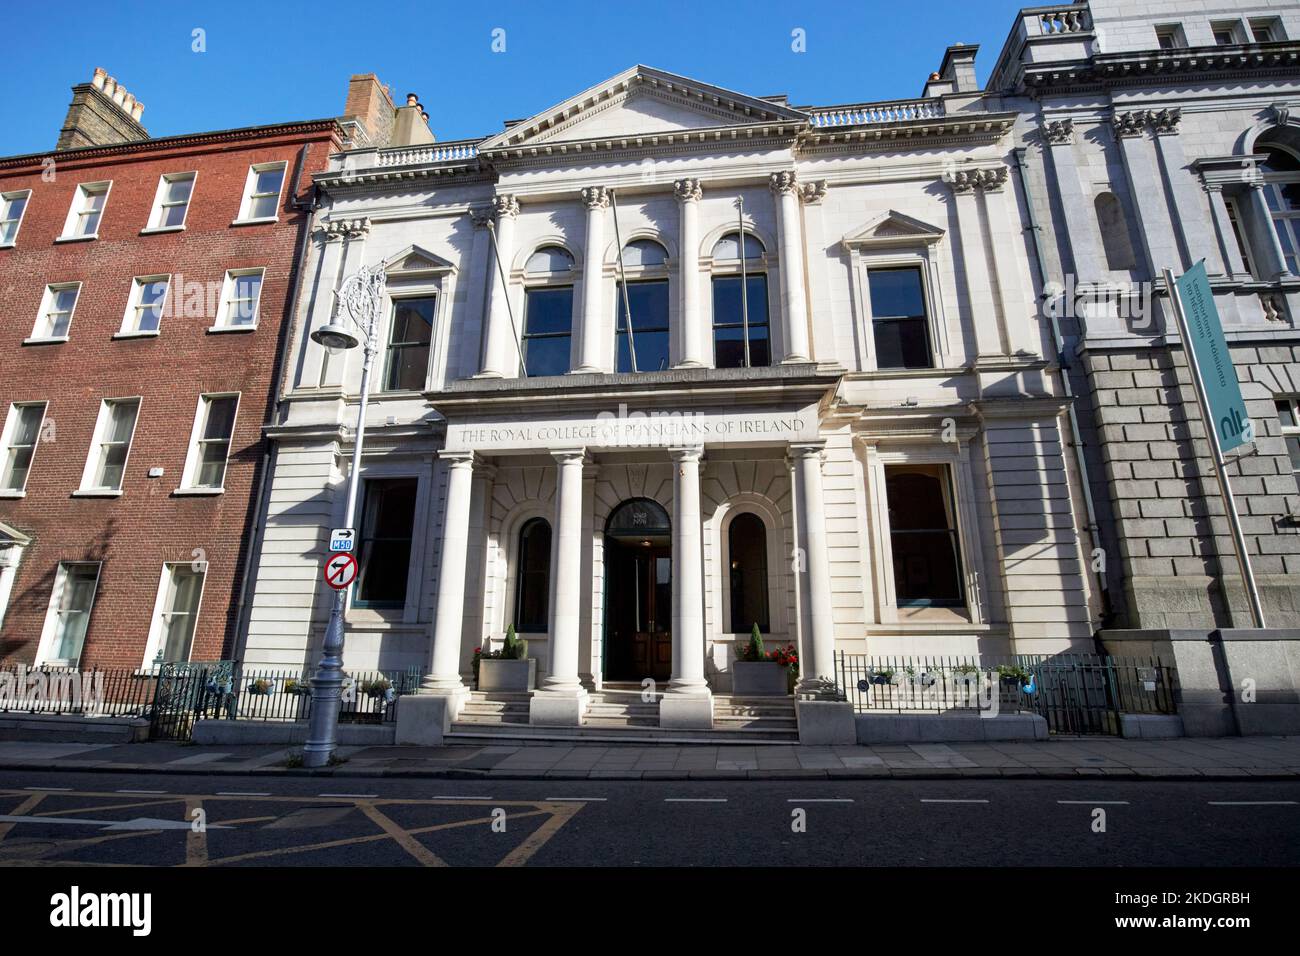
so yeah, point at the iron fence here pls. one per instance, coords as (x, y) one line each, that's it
(1075, 693)
(369, 697)
(97, 692)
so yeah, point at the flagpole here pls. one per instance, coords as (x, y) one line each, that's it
(622, 282)
(744, 276)
(1216, 452)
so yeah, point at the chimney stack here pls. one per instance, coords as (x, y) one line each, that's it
(368, 113)
(102, 113)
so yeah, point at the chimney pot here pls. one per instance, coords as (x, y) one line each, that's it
(425, 117)
(412, 99)
(98, 79)
(137, 110)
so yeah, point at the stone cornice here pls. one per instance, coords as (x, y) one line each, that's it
(1147, 67)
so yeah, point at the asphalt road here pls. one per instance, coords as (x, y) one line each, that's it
(61, 818)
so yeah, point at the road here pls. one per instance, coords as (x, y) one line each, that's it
(101, 818)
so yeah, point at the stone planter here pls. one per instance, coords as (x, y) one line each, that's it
(759, 679)
(509, 676)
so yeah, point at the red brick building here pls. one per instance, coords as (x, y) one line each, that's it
(147, 285)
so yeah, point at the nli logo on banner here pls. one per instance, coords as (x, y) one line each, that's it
(1205, 334)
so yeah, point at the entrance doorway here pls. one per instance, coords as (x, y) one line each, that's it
(638, 593)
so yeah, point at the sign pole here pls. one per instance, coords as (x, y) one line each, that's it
(1216, 451)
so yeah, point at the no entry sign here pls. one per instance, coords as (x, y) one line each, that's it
(340, 571)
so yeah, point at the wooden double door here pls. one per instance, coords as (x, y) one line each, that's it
(639, 610)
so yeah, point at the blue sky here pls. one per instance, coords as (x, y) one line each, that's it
(273, 61)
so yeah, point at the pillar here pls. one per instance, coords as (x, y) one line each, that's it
(444, 665)
(591, 354)
(562, 699)
(813, 571)
(500, 355)
(694, 338)
(1188, 210)
(794, 311)
(688, 702)
(1233, 264)
(1077, 202)
(979, 284)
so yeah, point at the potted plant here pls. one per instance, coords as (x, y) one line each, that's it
(967, 674)
(260, 687)
(755, 673)
(509, 669)
(1013, 675)
(883, 676)
(299, 688)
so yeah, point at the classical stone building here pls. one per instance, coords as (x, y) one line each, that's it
(1152, 140)
(836, 413)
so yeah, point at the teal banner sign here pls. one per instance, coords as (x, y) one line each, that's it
(1227, 410)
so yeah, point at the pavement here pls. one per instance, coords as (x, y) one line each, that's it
(1061, 758)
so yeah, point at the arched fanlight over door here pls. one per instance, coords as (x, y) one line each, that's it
(639, 517)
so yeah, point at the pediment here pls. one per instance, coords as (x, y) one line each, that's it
(893, 228)
(414, 262)
(10, 536)
(642, 101)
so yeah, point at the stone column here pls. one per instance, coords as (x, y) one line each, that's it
(688, 702)
(1076, 202)
(794, 311)
(591, 354)
(500, 355)
(1267, 248)
(813, 571)
(1019, 311)
(814, 239)
(1188, 210)
(693, 338)
(315, 356)
(448, 622)
(979, 284)
(562, 699)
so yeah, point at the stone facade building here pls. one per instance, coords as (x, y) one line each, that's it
(146, 283)
(836, 415)
(1150, 140)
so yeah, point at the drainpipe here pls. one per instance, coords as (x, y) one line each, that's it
(308, 206)
(1063, 361)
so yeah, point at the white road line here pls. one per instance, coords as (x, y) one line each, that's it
(50, 789)
(1095, 803)
(240, 793)
(144, 792)
(350, 796)
(577, 799)
(1251, 803)
(820, 800)
(695, 799)
(456, 796)
(923, 800)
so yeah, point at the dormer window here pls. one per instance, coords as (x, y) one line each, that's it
(645, 296)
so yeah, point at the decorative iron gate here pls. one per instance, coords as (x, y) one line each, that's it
(187, 691)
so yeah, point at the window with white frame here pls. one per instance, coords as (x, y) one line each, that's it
(240, 299)
(177, 612)
(111, 445)
(144, 309)
(214, 425)
(899, 318)
(1282, 194)
(68, 617)
(262, 192)
(924, 544)
(57, 306)
(171, 204)
(12, 207)
(406, 361)
(87, 210)
(1288, 413)
(22, 431)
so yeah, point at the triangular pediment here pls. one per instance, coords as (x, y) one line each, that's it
(642, 101)
(893, 228)
(414, 262)
(10, 536)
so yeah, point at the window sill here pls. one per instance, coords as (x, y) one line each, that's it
(97, 493)
(227, 329)
(45, 340)
(7, 245)
(12, 493)
(77, 238)
(136, 335)
(199, 492)
(255, 222)
(155, 230)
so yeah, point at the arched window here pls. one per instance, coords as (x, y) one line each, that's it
(1114, 233)
(533, 577)
(548, 311)
(1282, 193)
(747, 551)
(740, 319)
(645, 264)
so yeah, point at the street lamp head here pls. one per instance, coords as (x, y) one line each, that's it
(334, 336)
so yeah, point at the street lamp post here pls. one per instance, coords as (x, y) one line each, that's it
(361, 295)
